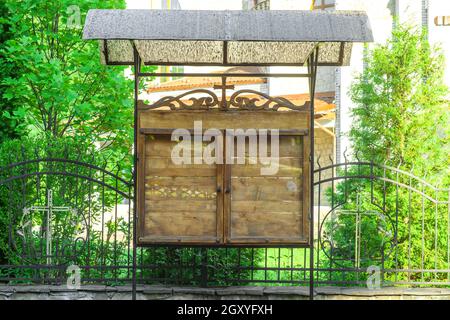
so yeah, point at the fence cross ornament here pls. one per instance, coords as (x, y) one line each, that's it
(358, 212)
(49, 209)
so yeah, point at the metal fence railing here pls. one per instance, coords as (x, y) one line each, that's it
(371, 221)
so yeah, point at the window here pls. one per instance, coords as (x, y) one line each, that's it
(167, 69)
(174, 5)
(170, 4)
(261, 4)
(324, 4)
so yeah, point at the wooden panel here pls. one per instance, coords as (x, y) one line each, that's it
(282, 167)
(181, 205)
(223, 204)
(180, 201)
(164, 146)
(179, 188)
(288, 146)
(180, 224)
(255, 225)
(167, 163)
(269, 208)
(267, 188)
(263, 206)
(224, 120)
(181, 172)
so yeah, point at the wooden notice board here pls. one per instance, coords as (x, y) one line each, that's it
(230, 203)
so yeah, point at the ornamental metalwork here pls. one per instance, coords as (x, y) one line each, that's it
(239, 100)
(26, 227)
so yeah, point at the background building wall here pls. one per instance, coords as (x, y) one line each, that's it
(440, 34)
(380, 14)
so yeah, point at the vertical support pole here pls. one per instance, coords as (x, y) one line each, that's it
(49, 226)
(448, 235)
(137, 70)
(312, 68)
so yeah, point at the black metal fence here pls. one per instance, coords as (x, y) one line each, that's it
(373, 222)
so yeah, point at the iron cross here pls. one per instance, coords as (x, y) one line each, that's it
(48, 209)
(358, 213)
(224, 87)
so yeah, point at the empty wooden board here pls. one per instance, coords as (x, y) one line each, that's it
(246, 199)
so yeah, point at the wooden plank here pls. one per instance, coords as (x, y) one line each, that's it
(285, 167)
(254, 171)
(180, 193)
(224, 120)
(265, 188)
(264, 206)
(288, 146)
(293, 162)
(164, 149)
(180, 224)
(170, 172)
(180, 181)
(187, 205)
(265, 226)
(161, 163)
(160, 146)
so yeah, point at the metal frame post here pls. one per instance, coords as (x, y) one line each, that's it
(312, 70)
(137, 71)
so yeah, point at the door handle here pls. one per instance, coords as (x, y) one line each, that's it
(228, 179)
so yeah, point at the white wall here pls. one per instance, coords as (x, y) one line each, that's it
(188, 4)
(440, 34)
(380, 16)
(290, 4)
(211, 4)
(142, 4)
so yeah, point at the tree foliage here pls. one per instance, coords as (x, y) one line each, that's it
(61, 88)
(7, 127)
(401, 113)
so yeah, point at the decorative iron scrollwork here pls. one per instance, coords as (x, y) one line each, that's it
(373, 230)
(261, 101)
(240, 100)
(195, 103)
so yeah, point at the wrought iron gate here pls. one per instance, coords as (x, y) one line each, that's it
(372, 221)
(58, 212)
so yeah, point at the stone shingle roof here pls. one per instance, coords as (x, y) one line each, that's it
(226, 37)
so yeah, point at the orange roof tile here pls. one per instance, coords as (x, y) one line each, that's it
(208, 82)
